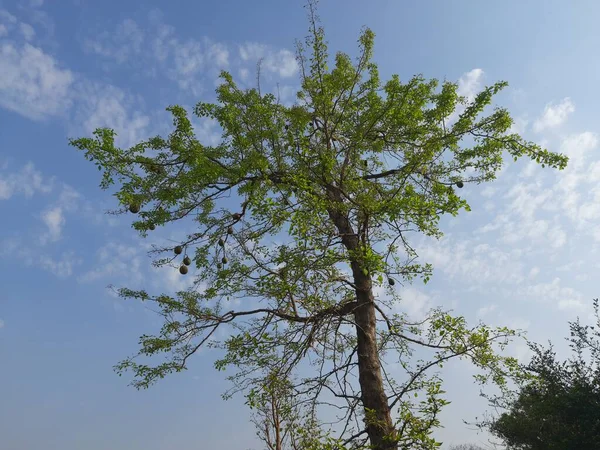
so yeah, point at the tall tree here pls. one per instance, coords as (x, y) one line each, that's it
(556, 404)
(328, 191)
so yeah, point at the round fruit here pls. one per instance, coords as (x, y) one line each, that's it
(183, 270)
(459, 184)
(224, 260)
(152, 227)
(219, 265)
(178, 250)
(134, 208)
(229, 230)
(236, 216)
(391, 281)
(221, 242)
(187, 261)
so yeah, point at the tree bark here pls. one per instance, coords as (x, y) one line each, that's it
(380, 430)
(369, 369)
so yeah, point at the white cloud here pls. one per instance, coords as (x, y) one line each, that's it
(564, 298)
(32, 83)
(414, 302)
(54, 215)
(115, 260)
(109, 106)
(280, 62)
(187, 62)
(27, 182)
(121, 44)
(478, 264)
(54, 220)
(485, 310)
(30, 256)
(519, 125)
(27, 31)
(534, 272)
(62, 267)
(470, 83)
(554, 115)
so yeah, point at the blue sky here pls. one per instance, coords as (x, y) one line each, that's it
(526, 256)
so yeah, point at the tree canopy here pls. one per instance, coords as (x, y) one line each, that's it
(556, 405)
(326, 195)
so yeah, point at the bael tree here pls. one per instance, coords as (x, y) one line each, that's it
(556, 404)
(327, 192)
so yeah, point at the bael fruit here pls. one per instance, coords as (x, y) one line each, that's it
(178, 250)
(187, 261)
(221, 242)
(459, 184)
(134, 208)
(183, 270)
(230, 230)
(224, 260)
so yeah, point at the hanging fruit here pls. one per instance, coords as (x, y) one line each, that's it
(187, 261)
(236, 216)
(229, 230)
(459, 184)
(391, 281)
(224, 260)
(221, 242)
(283, 272)
(134, 208)
(219, 265)
(178, 250)
(152, 227)
(183, 269)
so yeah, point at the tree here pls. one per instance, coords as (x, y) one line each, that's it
(556, 405)
(340, 179)
(466, 447)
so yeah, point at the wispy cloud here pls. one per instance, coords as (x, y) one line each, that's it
(564, 298)
(27, 181)
(121, 44)
(32, 82)
(279, 62)
(470, 83)
(29, 255)
(116, 261)
(104, 105)
(187, 62)
(54, 216)
(554, 114)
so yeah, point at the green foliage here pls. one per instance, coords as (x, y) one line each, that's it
(555, 403)
(344, 175)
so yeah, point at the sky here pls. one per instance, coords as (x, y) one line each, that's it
(526, 256)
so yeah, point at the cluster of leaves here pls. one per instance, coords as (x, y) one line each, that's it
(556, 404)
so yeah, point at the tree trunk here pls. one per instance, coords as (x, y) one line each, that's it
(369, 369)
